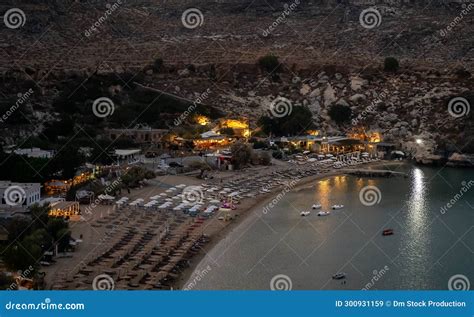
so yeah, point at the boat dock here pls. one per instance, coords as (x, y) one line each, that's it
(373, 173)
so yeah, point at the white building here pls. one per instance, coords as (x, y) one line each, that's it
(127, 156)
(19, 194)
(34, 152)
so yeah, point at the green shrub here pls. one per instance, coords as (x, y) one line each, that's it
(391, 64)
(340, 113)
(269, 63)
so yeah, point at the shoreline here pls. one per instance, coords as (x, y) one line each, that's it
(244, 213)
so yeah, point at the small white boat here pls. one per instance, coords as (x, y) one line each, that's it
(316, 206)
(324, 213)
(305, 213)
(337, 207)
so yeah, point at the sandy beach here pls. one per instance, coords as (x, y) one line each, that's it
(95, 230)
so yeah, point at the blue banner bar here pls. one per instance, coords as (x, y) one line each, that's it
(237, 303)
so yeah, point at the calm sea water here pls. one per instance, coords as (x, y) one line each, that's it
(428, 247)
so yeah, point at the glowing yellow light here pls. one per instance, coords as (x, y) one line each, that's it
(202, 120)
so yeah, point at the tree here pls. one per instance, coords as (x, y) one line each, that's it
(241, 154)
(269, 63)
(265, 158)
(298, 120)
(158, 64)
(391, 64)
(340, 113)
(203, 167)
(227, 131)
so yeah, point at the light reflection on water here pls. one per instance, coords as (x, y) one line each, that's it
(339, 242)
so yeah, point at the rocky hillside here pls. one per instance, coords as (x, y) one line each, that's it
(71, 52)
